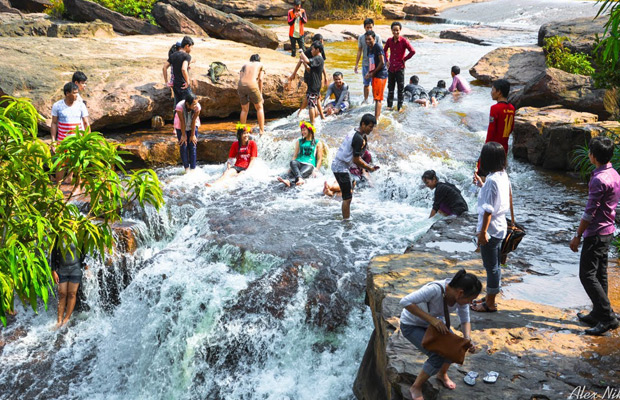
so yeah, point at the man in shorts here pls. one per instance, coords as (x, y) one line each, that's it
(315, 66)
(377, 70)
(362, 51)
(250, 90)
(349, 154)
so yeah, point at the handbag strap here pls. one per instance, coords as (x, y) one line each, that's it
(446, 313)
(512, 210)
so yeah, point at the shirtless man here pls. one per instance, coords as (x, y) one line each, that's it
(250, 90)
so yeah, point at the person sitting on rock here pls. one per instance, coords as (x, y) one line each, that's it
(438, 92)
(340, 90)
(457, 293)
(250, 89)
(67, 274)
(415, 92)
(448, 199)
(186, 123)
(359, 178)
(458, 84)
(308, 156)
(241, 157)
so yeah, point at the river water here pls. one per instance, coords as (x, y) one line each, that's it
(256, 292)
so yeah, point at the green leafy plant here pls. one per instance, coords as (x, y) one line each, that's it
(558, 56)
(581, 159)
(35, 215)
(607, 48)
(133, 8)
(56, 8)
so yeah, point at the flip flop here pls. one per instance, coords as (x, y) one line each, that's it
(470, 378)
(491, 377)
(485, 308)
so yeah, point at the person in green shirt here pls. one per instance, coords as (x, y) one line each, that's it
(308, 156)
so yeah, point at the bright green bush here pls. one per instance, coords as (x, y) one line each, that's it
(56, 8)
(562, 58)
(133, 8)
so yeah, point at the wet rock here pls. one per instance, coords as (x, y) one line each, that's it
(87, 29)
(5, 6)
(157, 122)
(152, 149)
(174, 21)
(522, 342)
(419, 9)
(577, 92)
(225, 26)
(253, 8)
(124, 90)
(581, 32)
(544, 270)
(518, 65)
(481, 35)
(531, 138)
(31, 6)
(125, 237)
(86, 11)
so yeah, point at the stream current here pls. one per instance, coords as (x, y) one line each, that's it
(256, 292)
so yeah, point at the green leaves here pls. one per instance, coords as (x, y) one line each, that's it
(35, 217)
(607, 50)
(562, 58)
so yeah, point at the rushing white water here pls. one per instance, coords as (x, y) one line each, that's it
(257, 292)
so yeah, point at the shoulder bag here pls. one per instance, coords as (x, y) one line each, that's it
(514, 234)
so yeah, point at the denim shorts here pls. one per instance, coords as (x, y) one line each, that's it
(365, 69)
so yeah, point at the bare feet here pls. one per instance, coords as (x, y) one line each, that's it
(446, 381)
(208, 184)
(416, 394)
(300, 181)
(285, 181)
(326, 190)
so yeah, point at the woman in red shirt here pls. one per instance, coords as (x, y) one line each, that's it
(241, 156)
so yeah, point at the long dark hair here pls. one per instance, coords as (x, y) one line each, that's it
(493, 157)
(469, 283)
(240, 132)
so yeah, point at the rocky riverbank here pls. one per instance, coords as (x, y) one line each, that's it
(538, 350)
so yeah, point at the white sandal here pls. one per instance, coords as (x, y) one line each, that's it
(470, 378)
(491, 377)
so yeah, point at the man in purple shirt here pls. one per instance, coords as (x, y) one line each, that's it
(457, 82)
(597, 227)
(397, 46)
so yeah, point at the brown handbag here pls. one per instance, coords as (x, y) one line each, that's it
(450, 346)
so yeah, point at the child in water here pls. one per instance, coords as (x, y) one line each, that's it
(241, 157)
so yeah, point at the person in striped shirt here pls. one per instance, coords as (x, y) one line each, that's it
(67, 114)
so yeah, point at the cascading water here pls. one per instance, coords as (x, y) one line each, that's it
(256, 292)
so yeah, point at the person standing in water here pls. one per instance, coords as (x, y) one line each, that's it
(186, 123)
(397, 46)
(377, 71)
(362, 52)
(349, 154)
(67, 274)
(250, 88)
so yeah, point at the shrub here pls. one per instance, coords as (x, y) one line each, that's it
(562, 58)
(133, 8)
(56, 9)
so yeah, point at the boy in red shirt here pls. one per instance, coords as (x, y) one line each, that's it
(397, 46)
(502, 119)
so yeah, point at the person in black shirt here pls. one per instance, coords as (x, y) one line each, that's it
(315, 66)
(308, 52)
(448, 199)
(180, 64)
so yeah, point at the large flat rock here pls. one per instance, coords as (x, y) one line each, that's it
(518, 65)
(538, 350)
(252, 8)
(484, 35)
(125, 85)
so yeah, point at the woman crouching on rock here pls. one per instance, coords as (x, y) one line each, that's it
(458, 293)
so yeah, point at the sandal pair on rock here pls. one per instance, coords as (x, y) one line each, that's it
(471, 376)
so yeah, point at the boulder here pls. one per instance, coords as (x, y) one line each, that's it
(577, 92)
(14, 24)
(87, 29)
(86, 11)
(531, 139)
(252, 8)
(31, 6)
(420, 9)
(159, 149)
(225, 26)
(484, 35)
(394, 9)
(518, 65)
(5, 6)
(174, 21)
(125, 86)
(581, 32)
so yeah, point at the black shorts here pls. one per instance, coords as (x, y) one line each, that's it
(344, 181)
(239, 169)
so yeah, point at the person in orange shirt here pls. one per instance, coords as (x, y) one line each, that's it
(296, 19)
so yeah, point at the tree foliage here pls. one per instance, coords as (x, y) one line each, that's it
(35, 215)
(607, 49)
